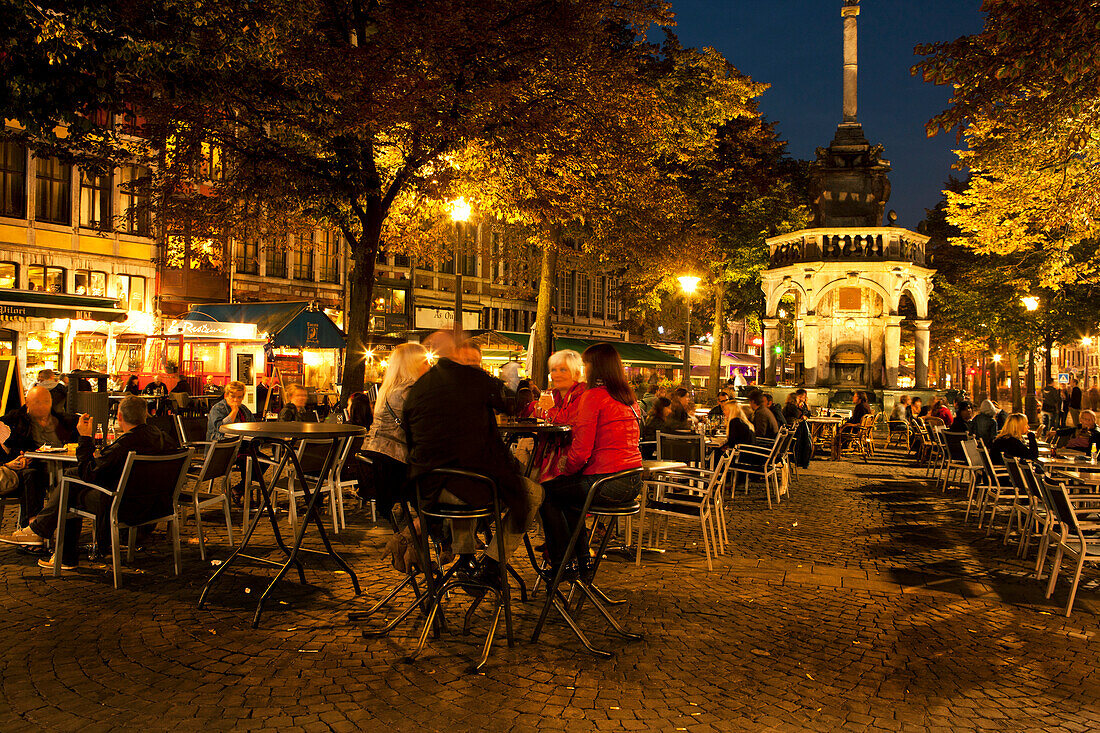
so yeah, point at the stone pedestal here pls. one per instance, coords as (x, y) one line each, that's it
(810, 353)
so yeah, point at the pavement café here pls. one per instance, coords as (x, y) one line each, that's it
(244, 340)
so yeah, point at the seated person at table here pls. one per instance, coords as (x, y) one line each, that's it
(559, 403)
(940, 410)
(103, 468)
(738, 425)
(1011, 441)
(209, 388)
(157, 386)
(1082, 437)
(229, 410)
(181, 387)
(449, 423)
(660, 419)
(48, 379)
(268, 396)
(295, 408)
(795, 408)
(963, 412)
(605, 441)
(984, 425)
(132, 385)
(776, 410)
(35, 424)
(716, 412)
(764, 424)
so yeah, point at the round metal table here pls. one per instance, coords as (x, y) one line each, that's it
(285, 434)
(544, 433)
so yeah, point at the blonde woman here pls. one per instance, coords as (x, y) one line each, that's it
(1011, 441)
(566, 385)
(385, 443)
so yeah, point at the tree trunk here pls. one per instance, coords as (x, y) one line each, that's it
(1014, 369)
(982, 389)
(361, 284)
(1048, 342)
(718, 331)
(540, 345)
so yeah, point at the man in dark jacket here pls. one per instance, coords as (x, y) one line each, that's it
(103, 468)
(35, 424)
(450, 422)
(763, 420)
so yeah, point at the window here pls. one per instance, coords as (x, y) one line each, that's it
(130, 291)
(246, 257)
(447, 264)
(582, 295)
(210, 167)
(46, 279)
(598, 296)
(329, 251)
(389, 300)
(90, 282)
(400, 260)
(53, 191)
(9, 275)
(275, 256)
(95, 201)
(133, 189)
(302, 259)
(468, 253)
(565, 292)
(13, 179)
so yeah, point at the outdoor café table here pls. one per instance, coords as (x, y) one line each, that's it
(285, 434)
(55, 462)
(651, 468)
(818, 427)
(546, 435)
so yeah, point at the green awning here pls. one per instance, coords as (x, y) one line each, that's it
(288, 324)
(38, 304)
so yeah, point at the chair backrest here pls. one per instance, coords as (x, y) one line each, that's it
(1033, 475)
(686, 448)
(1016, 476)
(182, 399)
(782, 442)
(190, 429)
(971, 450)
(936, 422)
(1063, 508)
(158, 478)
(867, 422)
(953, 441)
(219, 459)
(312, 454)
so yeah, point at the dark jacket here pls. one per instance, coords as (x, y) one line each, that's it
(450, 422)
(780, 418)
(1052, 400)
(291, 413)
(858, 412)
(22, 435)
(958, 425)
(793, 412)
(104, 470)
(764, 423)
(155, 388)
(1006, 445)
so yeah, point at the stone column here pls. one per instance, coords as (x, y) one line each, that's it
(809, 350)
(921, 343)
(851, 61)
(893, 349)
(771, 337)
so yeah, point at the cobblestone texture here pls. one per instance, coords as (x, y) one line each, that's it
(862, 603)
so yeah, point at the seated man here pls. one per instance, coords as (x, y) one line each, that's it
(1082, 437)
(102, 468)
(209, 388)
(229, 410)
(157, 386)
(449, 423)
(35, 424)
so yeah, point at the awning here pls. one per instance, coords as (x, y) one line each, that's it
(289, 324)
(38, 304)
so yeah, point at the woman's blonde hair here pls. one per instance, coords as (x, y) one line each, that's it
(1016, 426)
(403, 368)
(571, 360)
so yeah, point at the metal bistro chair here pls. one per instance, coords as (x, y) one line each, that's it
(554, 597)
(1027, 515)
(954, 457)
(216, 465)
(311, 457)
(1071, 540)
(439, 588)
(138, 473)
(769, 469)
(677, 494)
(860, 439)
(997, 485)
(191, 432)
(897, 433)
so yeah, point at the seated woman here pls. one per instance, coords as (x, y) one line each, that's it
(739, 427)
(795, 408)
(605, 441)
(1011, 441)
(657, 419)
(132, 385)
(1082, 437)
(566, 386)
(295, 408)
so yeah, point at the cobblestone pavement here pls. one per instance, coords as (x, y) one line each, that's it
(861, 603)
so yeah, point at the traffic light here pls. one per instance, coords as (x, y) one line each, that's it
(778, 349)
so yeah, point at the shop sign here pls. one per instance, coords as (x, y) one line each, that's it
(444, 318)
(212, 330)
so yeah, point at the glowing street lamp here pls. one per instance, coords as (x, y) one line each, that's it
(1030, 302)
(460, 214)
(688, 283)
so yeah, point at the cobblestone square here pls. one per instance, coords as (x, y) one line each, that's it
(861, 603)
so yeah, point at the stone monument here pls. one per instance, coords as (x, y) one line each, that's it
(849, 273)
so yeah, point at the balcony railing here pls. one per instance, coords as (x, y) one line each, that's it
(848, 244)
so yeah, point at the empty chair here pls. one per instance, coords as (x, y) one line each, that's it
(765, 462)
(1071, 540)
(217, 464)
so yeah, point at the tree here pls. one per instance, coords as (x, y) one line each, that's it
(1028, 106)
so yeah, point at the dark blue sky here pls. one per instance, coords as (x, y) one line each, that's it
(795, 45)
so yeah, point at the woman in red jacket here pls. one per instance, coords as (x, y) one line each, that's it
(605, 441)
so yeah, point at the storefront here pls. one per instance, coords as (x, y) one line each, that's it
(245, 340)
(56, 331)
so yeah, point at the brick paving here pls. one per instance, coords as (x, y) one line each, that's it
(862, 603)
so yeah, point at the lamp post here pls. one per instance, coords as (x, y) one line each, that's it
(1031, 303)
(1087, 343)
(995, 382)
(460, 214)
(688, 283)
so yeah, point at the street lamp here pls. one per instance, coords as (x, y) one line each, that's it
(1031, 407)
(688, 283)
(1087, 343)
(994, 387)
(460, 214)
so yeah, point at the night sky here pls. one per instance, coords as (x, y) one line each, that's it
(795, 45)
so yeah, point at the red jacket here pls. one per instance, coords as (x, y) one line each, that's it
(605, 435)
(565, 408)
